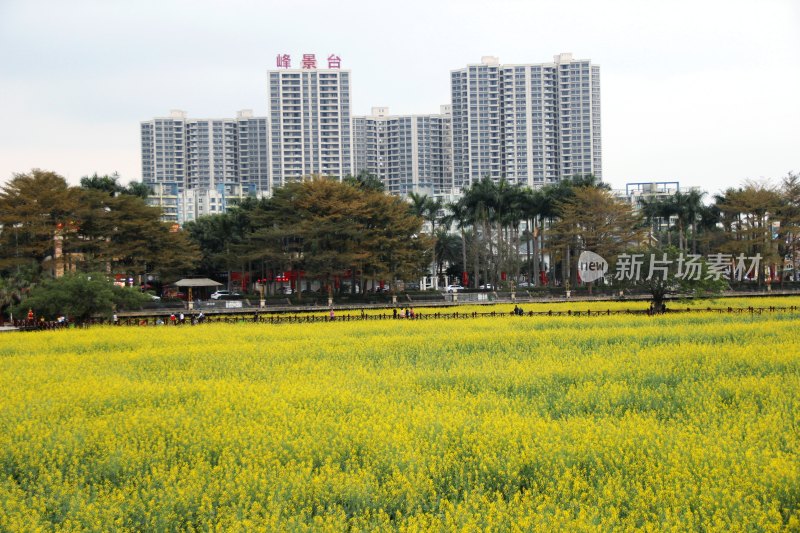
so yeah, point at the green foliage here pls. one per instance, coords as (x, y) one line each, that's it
(111, 186)
(325, 228)
(219, 237)
(675, 282)
(592, 219)
(79, 296)
(98, 226)
(365, 180)
(31, 208)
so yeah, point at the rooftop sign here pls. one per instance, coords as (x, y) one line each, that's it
(309, 61)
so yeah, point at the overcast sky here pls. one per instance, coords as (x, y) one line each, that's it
(703, 92)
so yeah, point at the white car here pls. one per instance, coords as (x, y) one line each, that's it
(487, 287)
(454, 288)
(221, 293)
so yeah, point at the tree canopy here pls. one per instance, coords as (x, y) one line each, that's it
(321, 227)
(52, 227)
(79, 297)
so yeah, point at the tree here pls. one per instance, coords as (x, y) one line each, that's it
(57, 228)
(749, 213)
(552, 199)
(789, 215)
(592, 219)
(666, 271)
(222, 237)
(428, 209)
(136, 188)
(533, 206)
(13, 289)
(448, 249)
(106, 184)
(327, 228)
(459, 215)
(33, 208)
(80, 297)
(512, 204)
(123, 234)
(365, 180)
(481, 200)
(111, 185)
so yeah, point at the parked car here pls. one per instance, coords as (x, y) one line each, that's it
(174, 295)
(454, 288)
(487, 287)
(223, 294)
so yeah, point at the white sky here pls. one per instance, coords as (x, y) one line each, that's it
(704, 92)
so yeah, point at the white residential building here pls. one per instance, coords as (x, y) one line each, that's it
(309, 124)
(408, 153)
(164, 152)
(532, 124)
(194, 203)
(253, 153)
(181, 154)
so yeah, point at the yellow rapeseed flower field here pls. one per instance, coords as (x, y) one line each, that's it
(664, 423)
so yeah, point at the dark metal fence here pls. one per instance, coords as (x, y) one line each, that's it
(305, 318)
(190, 319)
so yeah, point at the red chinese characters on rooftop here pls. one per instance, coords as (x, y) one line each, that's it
(309, 61)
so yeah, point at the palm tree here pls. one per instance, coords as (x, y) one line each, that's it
(418, 202)
(433, 206)
(460, 216)
(587, 180)
(650, 209)
(694, 207)
(12, 290)
(481, 199)
(428, 209)
(511, 211)
(686, 209)
(448, 249)
(532, 206)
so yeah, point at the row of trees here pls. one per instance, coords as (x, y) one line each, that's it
(328, 231)
(48, 229)
(507, 232)
(321, 229)
(49, 226)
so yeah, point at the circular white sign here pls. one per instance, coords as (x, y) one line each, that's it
(591, 266)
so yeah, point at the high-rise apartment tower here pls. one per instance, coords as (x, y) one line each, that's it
(408, 153)
(309, 124)
(180, 153)
(532, 124)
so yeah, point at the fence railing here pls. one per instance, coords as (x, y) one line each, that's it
(456, 315)
(307, 318)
